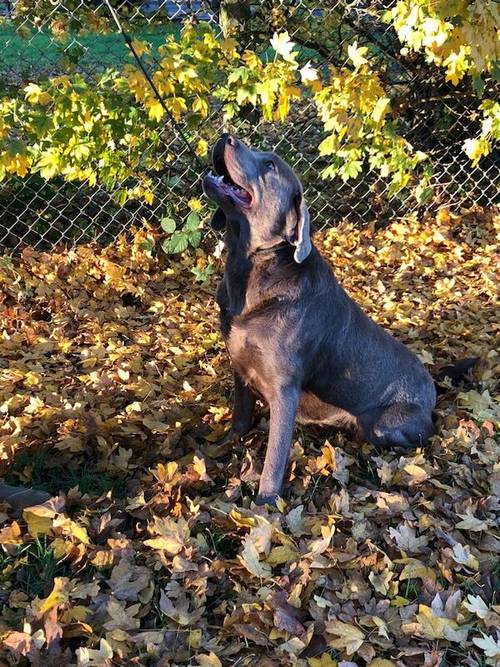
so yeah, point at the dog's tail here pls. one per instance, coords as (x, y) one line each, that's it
(455, 372)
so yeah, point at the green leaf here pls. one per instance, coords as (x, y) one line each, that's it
(178, 242)
(168, 225)
(202, 275)
(478, 84)
(192, 222)
(240, 73)
(173, 181)
(147, 245)
(424, 195)
(351, 169)
(194, 238)
(16, 147)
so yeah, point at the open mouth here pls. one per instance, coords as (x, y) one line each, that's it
(228, 187)
(225, 185)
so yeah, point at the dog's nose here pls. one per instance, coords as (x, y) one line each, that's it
(226, 138)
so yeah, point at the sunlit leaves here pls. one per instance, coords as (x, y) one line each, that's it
(477, 147)
(36, 95)
(374, 557)
(449, 33)
(462, 38)
(283, 46)
(108, 127)
(250, 559)
(59, 595)
(355, 113)
(357, 54)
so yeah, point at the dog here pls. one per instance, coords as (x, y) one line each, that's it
(295, 338)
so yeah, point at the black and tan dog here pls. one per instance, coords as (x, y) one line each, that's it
(294, 336)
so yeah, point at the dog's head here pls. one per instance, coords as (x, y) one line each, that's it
(261, 192)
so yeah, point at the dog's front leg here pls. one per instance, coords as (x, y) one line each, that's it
(243, 407)
(283, 408)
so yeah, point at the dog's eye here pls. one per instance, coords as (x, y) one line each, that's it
(270, 166)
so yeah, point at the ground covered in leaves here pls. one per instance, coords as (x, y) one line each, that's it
(115, 393)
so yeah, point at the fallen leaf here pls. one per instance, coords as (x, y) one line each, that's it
(59, 595)
(405, 537)
(101, 657)
(250, 559)
(349, 637)
(210, 660)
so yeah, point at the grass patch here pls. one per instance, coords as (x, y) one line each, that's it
(90, 53)
(222, 543)
(62, 478)
(36, 566)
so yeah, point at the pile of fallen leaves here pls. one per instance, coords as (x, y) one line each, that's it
(115, 397)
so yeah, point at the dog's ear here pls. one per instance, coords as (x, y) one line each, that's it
(218, 221)
(301, 230)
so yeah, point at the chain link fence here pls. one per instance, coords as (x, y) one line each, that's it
(435, 117)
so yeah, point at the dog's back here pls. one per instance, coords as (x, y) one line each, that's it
(343, 358)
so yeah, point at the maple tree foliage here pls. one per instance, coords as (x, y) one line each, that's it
(115, 396)
(108, 129)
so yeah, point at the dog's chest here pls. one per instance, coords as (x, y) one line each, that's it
(248, 359)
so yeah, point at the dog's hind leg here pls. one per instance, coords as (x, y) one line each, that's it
(243, 407)
(397, 425)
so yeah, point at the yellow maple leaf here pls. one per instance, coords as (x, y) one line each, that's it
(357, 54)
(75, 614)
(155, 109)
(201, 148)
(11, 534)
(380, 109)
(415, 569)
(36, 95)
(70, 527)
(172, 536)
(325, 660)
(194, 638)
(140, 47)
(59, 595)
(200, 468)
(430, 626)
(39, 519)
(210, 660)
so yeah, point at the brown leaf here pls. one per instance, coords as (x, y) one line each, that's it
(251, 632)
(283, 620)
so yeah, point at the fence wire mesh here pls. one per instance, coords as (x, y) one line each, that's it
(436, 117)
